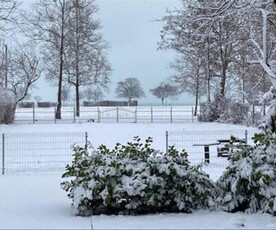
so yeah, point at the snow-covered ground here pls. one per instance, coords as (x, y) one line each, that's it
(36, 147)
(35, 201)
(112, 133)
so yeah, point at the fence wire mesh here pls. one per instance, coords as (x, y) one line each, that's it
(38, 152)
(194, 143)
(43, 152)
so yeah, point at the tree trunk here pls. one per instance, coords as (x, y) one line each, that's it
(61, 52)
(77, 100)
(208, 91)
(224, 66)
(196, 104)
(162, 99)
(222, 86)
(208, 75)
(197, 91)
(77, 60)
(58, 111)
(224, 58)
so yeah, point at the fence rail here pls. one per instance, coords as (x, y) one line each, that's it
(140, 114)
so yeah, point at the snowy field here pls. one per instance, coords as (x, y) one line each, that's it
(36, 201)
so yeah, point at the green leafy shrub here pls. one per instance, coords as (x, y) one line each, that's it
(136, 179)
(249, 182)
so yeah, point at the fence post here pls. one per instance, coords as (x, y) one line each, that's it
(99, 114)
(3, 154)
(33, 113)
(86, 140)
(171, 112)
(192, 114)
(206, 154)
(55, 111)
(167, 141)
(74, 115)
(135, 114)
(117, 114)
(246, 136)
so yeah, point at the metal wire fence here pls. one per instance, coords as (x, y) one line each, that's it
(38, 152)
(197, 143)
(48, 152)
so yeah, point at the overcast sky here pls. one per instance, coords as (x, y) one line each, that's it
(131, 29)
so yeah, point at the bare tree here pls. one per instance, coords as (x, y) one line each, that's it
(49, 25)
(7, 101)
(130, 88)
(164, 90)
(86, 53)
(189, 76)
(7, 9)
(258, 23)
(24, 70)
(196, 59)
(184, 32)
(229, 34)
(71, 44)
(255, 21)
(264, 45)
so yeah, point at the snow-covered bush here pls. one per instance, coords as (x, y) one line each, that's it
(208, 112)
(7, 107)
(234, 113)
(269, 123)
(136, 179)
(249, 182)
(224, 111)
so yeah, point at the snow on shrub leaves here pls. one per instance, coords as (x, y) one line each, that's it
(136, 179)
(249, 182)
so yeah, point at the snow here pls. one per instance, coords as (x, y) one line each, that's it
(112, 133)
(35, 200)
